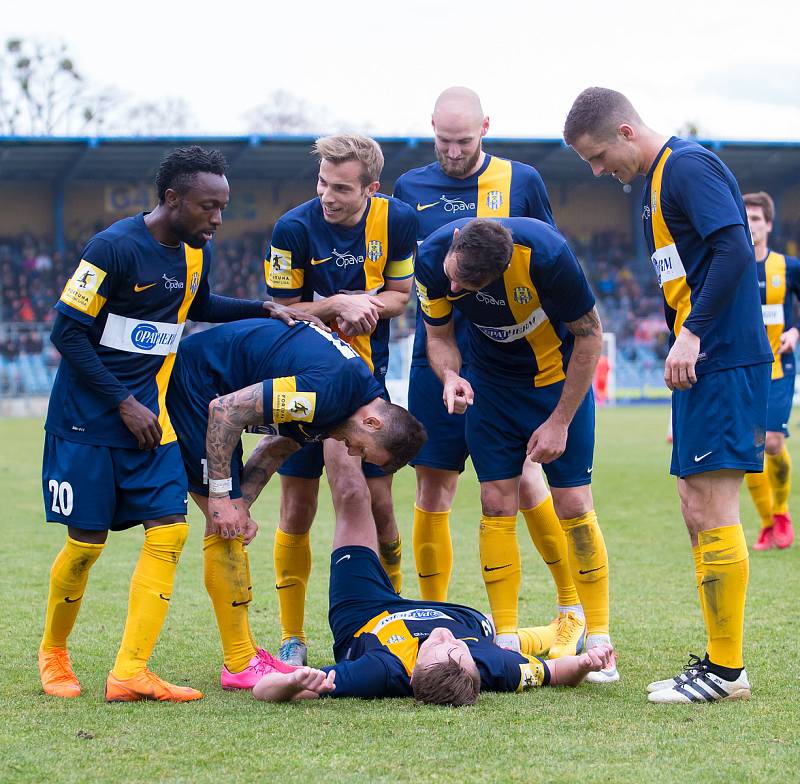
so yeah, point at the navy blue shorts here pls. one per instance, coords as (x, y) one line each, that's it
(779, 407)
(309, 460)
(500, 423)
(188, 412)
(446, 447)
(103, 488)
(359, 590)
(719, 423)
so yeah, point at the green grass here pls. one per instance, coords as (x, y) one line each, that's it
(551, 735)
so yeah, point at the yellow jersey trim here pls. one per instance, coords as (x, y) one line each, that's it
(774, 296)
(494, 190)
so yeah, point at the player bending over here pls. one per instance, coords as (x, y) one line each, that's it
(437, 652)
(299, 385)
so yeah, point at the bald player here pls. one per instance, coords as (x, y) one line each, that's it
(465, 181)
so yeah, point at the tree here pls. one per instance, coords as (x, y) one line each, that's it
(283, 112)
(170, 117)
(42, 93)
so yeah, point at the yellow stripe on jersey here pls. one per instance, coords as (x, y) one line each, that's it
(523, 300)
(667, 259)
(494, 190)
(194, 272)
(376, 241)
(80, 291)
(772, 310)
(398, 270)
(279, 272)
(435, 308)
(376, 248)
(396, 636)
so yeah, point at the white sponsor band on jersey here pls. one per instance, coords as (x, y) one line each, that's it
(419, 614)
(773, 314)
(141, 337)
(516, 331)
(667, 264)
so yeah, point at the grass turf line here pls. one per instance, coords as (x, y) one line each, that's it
(595, 733)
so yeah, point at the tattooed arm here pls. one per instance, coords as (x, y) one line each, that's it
(263, 462)
(548, 442)
(227, 417)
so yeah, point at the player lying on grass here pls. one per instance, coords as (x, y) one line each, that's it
(298, 384)
(388, 646)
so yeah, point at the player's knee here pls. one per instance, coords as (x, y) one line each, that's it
(773, 444)
(436, 489)
(496, 503)
(349, 492)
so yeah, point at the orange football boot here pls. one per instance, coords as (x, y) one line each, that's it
(57, 675)
(146, 685)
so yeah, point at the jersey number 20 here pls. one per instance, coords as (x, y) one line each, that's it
(62, 497)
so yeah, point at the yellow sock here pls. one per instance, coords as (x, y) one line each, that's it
(148, 602)
(226, 573)
(726, 568)
(779, 471)
(433, 553)
(761, 493)
(68, 577)
(588, 562)
(391, 554)
(536, 640)
(698, 570)
(549, 539)
(501, 567)
(292, 557)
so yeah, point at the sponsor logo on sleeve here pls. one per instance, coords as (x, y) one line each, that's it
(294, 406)
(81, 289)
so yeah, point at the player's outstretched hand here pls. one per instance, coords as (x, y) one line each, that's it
(141, 421)
(304, 683)
(227, 517)
(548, 441)
(679, 369)
(789, 341)
(290, 315)
(571, 670)
(457, 394)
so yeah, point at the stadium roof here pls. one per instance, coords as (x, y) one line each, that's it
(61, 160)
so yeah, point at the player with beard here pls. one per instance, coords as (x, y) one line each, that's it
(464, 182)
(111, 460)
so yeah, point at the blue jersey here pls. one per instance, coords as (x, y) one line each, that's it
(381, 655)
(312, 381)
(517, 326)
(689, 195)
(499, 189)
(135, 295)
(779, 281)
(312, 259)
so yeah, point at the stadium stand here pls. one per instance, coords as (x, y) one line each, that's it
(65, 190)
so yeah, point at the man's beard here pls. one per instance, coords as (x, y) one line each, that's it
(460, 168)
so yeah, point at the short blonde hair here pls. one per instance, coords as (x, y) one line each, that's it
(351, 147)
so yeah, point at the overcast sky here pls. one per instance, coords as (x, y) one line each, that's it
(735, 73)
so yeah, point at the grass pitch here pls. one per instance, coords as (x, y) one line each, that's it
(592, 733)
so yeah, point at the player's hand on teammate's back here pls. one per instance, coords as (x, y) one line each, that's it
(141, 421)
(789, 341)
(548, 441)
(358, 313)
(229, 517)
(679, 369)
(290, 315)
(457, 394)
